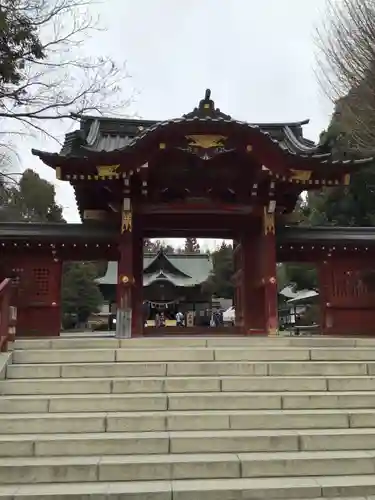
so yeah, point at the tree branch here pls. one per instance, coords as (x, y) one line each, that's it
(346, 66)
(45, 77)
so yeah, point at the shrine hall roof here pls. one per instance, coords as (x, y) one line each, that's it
(99, 136)
(185, 269)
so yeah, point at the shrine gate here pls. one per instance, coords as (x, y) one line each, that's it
(204, 175)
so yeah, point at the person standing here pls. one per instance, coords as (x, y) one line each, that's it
(162, 319)
(157, 320)
(216, 317)
(179, 318)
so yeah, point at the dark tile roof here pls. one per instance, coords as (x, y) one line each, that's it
(326, 234)
(54, 232)
(10, 231)
(99, 134)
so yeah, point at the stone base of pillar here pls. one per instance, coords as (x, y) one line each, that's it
(272, 332)
(124, 323)
(254, 331)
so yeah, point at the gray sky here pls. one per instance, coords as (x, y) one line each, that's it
(256, 56)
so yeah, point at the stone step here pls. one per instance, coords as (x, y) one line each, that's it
(64, 469)
(215, 418)
(183, 384)
(192, 354)
(124, 468)
(162, 354)
(138, 343)
(182, 442)
(185, 401)
(137, 385)
(274, 488)
(44, 423)
(188, 369)
(189, 341)
(318, 488)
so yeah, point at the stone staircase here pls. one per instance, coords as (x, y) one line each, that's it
(188, 419)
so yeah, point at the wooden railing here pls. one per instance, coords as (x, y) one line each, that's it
(8, 314)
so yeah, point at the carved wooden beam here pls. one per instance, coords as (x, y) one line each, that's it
(94, 215)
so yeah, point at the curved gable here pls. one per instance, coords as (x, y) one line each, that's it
(162, 262)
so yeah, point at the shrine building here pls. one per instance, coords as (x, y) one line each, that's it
(171, 282)
(204, 175)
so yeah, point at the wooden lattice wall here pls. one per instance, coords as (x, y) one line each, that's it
(348, 304)
(38, 291)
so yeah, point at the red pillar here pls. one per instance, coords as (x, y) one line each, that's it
(57, 268)
(259, 284)
(125, 277)
(252, 300)
(237, 281)
(137, 295)
(268, 265)
(129, 321)
(324, 279)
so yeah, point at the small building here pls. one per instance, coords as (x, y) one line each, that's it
(296, 303)
(171, 283)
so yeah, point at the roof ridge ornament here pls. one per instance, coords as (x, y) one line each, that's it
(207, 102)
(206, 109)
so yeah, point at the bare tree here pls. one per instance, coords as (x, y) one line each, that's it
(44, 75)
(346, 60)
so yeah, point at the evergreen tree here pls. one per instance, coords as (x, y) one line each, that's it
(19, 37)
(352, 205)
(191, 246)
(220, 282)
(80, 293)
(301, 276)
(32, 200)
(154, 246)
(148, 246)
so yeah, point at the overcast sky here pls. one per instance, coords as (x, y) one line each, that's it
(256, 56)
